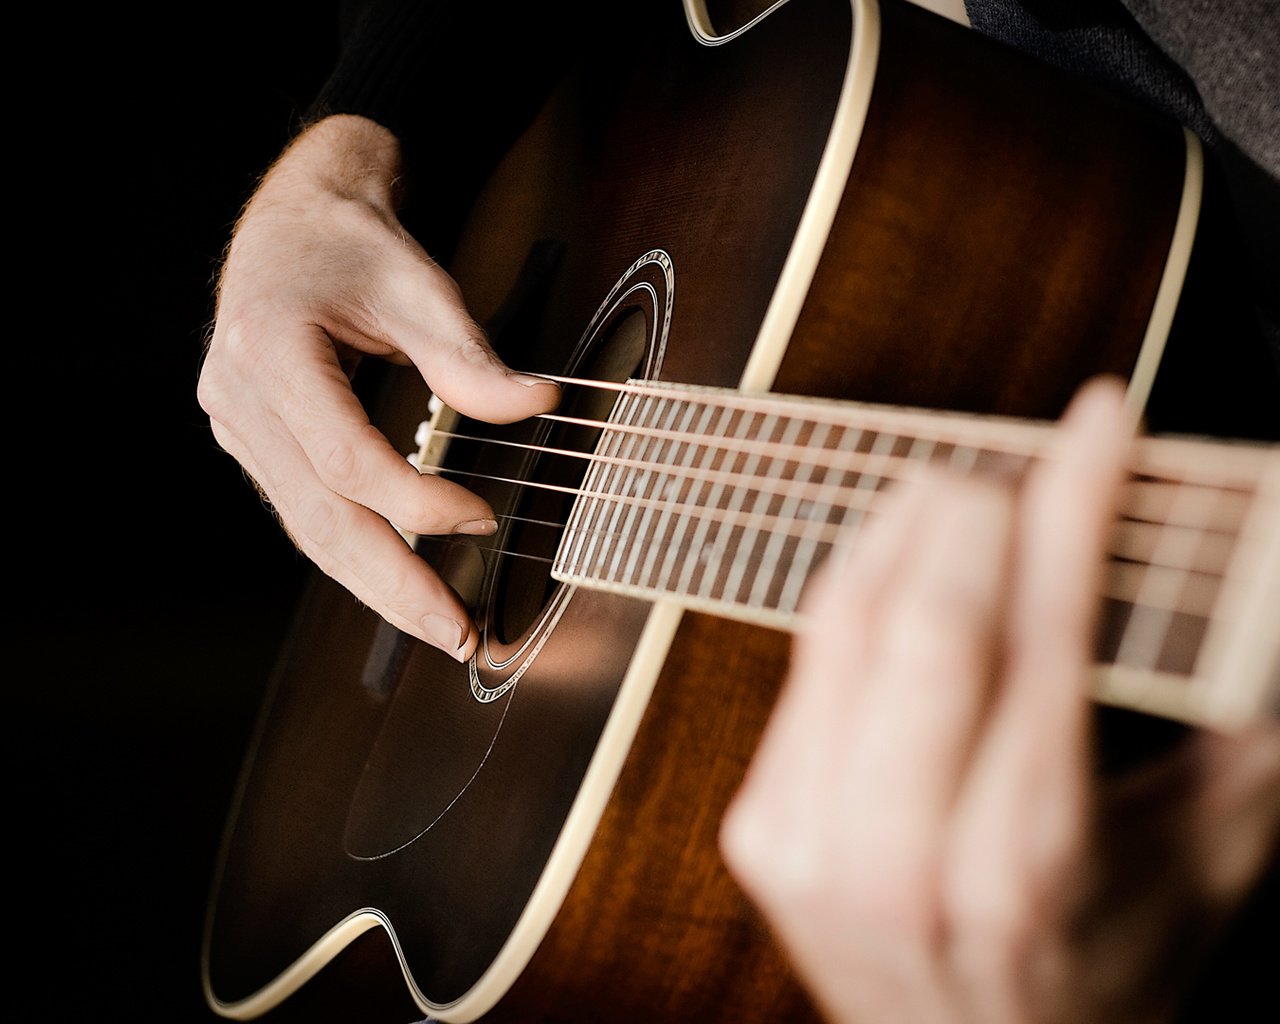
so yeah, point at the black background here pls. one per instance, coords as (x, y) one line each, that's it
(149, 586)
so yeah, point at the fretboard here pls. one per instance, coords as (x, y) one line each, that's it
(726, 503)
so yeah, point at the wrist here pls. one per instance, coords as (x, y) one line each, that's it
(344, 154)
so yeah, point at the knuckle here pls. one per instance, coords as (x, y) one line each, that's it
(215, 392)
(236, 353)
(472, 352)
(394, 585)
(811, 873)
(318, 525)
(237, 342)
(777, 858)
(896, 895)
(221, 434)
(746, 840)
(337, 465)
(210, 393)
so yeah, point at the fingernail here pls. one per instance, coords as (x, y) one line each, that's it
(444, 632)
(529, 380)
(477, 527)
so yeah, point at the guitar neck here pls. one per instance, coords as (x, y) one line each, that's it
(727, 502)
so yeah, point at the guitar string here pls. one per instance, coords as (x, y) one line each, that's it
(1223, 463)
(1147, 645)
(1126, 591)
(1206, 558)
(1133, 540)
(1005, 459)
(1148, 506)
(1151, 492)
(1216, 465)
(1123, 581)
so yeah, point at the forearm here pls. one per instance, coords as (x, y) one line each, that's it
(348, 155)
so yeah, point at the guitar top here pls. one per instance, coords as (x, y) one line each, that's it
(839, 201)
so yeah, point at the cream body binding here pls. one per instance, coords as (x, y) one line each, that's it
(758, 377)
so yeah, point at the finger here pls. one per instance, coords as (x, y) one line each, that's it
(317, 408)
(809, 725)
(837, 830)
(1067, 512)
(774, 833)
(1021, 820)
(824, 726)
(359, 549)
(840, 603)
(929, 672)
(432, 326)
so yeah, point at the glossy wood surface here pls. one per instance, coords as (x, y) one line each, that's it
(997, 285)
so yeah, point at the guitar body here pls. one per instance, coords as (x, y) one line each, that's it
(536, 833)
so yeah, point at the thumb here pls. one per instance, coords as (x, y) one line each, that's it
(456, 360)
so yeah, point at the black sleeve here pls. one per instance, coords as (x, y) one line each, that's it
(455, 81)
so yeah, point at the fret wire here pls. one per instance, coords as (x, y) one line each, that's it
(740, 425)
(837, 494)
(1147, 629)
(874, 475)
(997, 433)
(749, 539)
(705, 456)
(1226, 464)
(724, 529)
(1124, 581)
(642, 550)
(670, 489)
(653, 482)
(575, 527)
(592, 511)
(963, 458)
(792, 506)
(1203, 551)
(1149, 501)
(1154, 501)
(598, 511)
(619, 488)
(575, 534)
(620, 522)
(1202, 607)
(632, 484)
(799, 571)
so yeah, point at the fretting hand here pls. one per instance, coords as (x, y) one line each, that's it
(922, 825)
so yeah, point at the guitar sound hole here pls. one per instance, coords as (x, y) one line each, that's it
(524, 580)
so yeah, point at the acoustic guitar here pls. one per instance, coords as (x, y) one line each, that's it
(762, 255)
